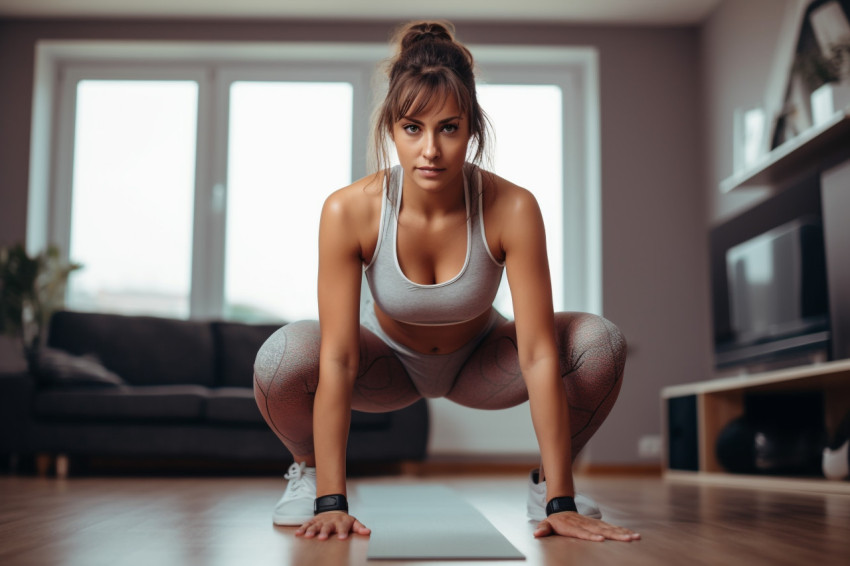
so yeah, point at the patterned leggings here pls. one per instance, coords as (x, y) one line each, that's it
(592, 354)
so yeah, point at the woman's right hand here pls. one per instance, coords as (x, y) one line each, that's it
(325, 524)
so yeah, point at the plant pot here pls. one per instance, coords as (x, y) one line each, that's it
(829, 99)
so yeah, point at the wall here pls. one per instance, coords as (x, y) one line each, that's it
(654, 251)
(744, 49)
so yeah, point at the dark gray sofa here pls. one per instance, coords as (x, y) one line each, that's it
(168, 389)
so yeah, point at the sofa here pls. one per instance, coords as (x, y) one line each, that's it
(122, 386)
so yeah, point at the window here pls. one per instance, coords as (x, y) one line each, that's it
(131, 197)
(289, 146)
(175, 181)
(529, 152)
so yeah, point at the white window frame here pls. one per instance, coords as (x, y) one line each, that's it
(208, 297)
(68, 78)
(574, 70)
(60, 63)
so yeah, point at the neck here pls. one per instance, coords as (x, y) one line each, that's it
(448, 200)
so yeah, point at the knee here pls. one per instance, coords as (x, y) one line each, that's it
(290, 351)
(616, 341)
(588, 337)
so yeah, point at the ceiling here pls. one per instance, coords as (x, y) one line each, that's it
(628, 12)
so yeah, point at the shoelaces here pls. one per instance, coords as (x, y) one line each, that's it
(295, 475)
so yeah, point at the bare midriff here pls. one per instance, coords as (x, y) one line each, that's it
(431, 339)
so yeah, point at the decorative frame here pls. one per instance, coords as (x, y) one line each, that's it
(792, 112)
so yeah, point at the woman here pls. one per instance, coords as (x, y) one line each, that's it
(433, 236)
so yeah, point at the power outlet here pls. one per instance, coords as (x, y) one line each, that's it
(649, 446)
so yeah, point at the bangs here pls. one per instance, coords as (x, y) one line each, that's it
(418, 94)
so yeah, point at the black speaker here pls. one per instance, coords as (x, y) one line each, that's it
(682, 442)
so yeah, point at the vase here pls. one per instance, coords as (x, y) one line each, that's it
(829, 99)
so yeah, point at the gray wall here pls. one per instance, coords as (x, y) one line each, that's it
(653, 217)
(741, 52)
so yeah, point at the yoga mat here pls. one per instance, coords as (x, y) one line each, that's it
(427, 522)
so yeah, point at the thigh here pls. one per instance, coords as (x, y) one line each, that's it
(591, 355)
(491, 378)
(286, 371)
(382, 382)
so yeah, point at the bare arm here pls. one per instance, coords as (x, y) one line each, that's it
(339, 304)
(524, 243)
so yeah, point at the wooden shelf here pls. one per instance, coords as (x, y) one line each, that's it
(791, 378)
(796, 156)
(720, 401)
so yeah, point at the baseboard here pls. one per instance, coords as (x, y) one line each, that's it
(492, 467)
(619, 470)
(474, 466)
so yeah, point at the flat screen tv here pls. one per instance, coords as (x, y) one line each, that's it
(778, 302)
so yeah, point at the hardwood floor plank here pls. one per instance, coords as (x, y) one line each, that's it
(121, 521)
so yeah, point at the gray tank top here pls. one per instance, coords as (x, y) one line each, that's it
(463, 297)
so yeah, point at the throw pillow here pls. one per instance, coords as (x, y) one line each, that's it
(58, 368)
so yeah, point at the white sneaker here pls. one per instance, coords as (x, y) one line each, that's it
(536, 502)
(295, 507)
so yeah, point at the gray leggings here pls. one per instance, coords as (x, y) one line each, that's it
(592, 354)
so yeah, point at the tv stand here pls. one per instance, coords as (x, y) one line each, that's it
(717, 402)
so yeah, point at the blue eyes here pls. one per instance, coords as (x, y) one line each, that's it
(415, 129)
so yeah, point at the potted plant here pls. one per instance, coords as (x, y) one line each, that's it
(828, 76)
(31, 290)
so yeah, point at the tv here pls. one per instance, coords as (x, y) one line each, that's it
(777, 291)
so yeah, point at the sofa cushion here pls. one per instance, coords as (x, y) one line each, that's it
(57, 368)
(236, 346)
(238, 405)
(151, 403)
(143, 350)
(233, 405)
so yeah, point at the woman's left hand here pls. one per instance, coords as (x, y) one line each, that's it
(571, 524)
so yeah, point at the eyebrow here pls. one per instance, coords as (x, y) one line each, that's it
(443, 121)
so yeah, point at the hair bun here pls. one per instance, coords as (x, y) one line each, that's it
(421, 31)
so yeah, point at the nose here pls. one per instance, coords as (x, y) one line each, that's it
(431, 150)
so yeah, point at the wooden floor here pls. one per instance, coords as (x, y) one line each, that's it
(121, 521)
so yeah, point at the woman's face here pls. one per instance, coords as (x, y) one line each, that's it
(432, 145)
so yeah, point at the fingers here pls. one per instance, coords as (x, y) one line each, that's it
(612, 532)
(584, 528)
(361, 529)
(324, 525)
(622, 534)
(544, 529)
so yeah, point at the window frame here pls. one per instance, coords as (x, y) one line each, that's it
(60, 63)
(580, 227)
(210, 299)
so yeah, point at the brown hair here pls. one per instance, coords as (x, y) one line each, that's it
(429, 64)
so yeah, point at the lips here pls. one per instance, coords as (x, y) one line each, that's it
(430, 171)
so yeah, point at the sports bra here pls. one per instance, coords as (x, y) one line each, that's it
(463, 297)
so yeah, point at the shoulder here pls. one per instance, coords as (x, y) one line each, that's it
(512, 216)
(506, 201)
(351, 215)
(355, 203)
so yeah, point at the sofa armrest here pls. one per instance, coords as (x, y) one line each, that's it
(16, 401)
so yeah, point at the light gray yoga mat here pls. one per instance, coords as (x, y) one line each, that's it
(427, 522)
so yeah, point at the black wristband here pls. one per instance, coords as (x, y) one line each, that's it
(325, 503)
(559, 504)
